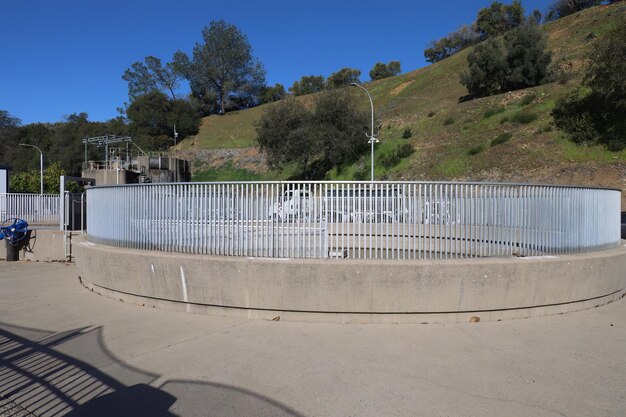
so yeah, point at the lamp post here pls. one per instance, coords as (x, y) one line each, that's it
(40, 165)
(372, 136)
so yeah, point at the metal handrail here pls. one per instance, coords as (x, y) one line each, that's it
(344, 219)
(34, 208)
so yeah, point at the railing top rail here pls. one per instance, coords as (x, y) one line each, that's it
(31, 194)
(491, 184)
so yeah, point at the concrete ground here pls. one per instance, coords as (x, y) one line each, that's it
(67, 351)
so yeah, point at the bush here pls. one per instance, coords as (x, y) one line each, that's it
(394, 157)
(501, 138)
(405, 150)
(431, 113)
(529, 98)
(448, 121)
(476, 150)
(407, 133)
(493, 111)
(504, 120)
(524, 117)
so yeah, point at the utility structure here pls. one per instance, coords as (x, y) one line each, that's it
(118, 168)
(372, 135)
(108, 139)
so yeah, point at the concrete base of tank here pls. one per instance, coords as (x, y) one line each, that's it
(355, 291)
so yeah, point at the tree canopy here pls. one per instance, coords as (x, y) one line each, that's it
(143, 78)
(272, 94)
(223, 64)
(461, 38)
(499, 18)
(316, 140)
(562, 8)
(343, 77)
(381, 70)
(153, 117)
(308, 84)
(497, 65)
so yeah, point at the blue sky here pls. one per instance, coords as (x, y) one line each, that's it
(67, 56)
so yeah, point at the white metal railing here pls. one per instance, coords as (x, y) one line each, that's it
(380, 220)
(34, 208)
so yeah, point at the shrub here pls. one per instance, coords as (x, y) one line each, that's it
(504, 120)
(407, 133)
(501, 138)
(405, 150)
(529, 98)
(493, 111)
(524, 117)
(394, 157)
(448, 121)
(475, 150)
(431, 114)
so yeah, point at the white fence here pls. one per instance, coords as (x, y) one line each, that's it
(381, 220)
(34, 208)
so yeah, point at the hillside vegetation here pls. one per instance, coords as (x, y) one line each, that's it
(506, 137)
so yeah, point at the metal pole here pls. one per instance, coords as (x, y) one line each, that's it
(372, 135)
(40, 166)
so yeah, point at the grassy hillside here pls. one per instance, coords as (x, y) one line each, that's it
(507, 137)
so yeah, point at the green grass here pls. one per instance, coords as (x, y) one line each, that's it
(491, 111)
(524, 117)
(228, 173)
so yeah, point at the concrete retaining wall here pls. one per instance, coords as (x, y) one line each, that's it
(45, 245)
(355, 290)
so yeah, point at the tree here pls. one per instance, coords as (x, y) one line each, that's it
(526, 57)
(380, 70)
(272, 94)
(487, 69)
(518, 61)
(7, 121)
(308, 84)
(223, 65)
(29, 181)
(562, 8)
(283, 134)
(499, 18)
(153, 117)
(148, 114)
(535, 18)
(461, 38)
(343, 77)
(313, 140)
(143, 78)
(599, 115)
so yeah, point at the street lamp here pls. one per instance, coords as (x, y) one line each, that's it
(372, 136)
(40, 164)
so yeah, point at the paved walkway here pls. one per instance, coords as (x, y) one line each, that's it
(67, 351)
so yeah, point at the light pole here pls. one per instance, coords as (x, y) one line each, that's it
(40, 165)
(372, 136)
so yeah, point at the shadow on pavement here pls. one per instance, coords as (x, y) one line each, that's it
(72, 373)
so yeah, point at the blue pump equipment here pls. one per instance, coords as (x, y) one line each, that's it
(14, 230)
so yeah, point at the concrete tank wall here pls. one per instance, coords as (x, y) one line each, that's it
(355, 290)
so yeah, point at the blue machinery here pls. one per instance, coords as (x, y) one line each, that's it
(15, 232)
